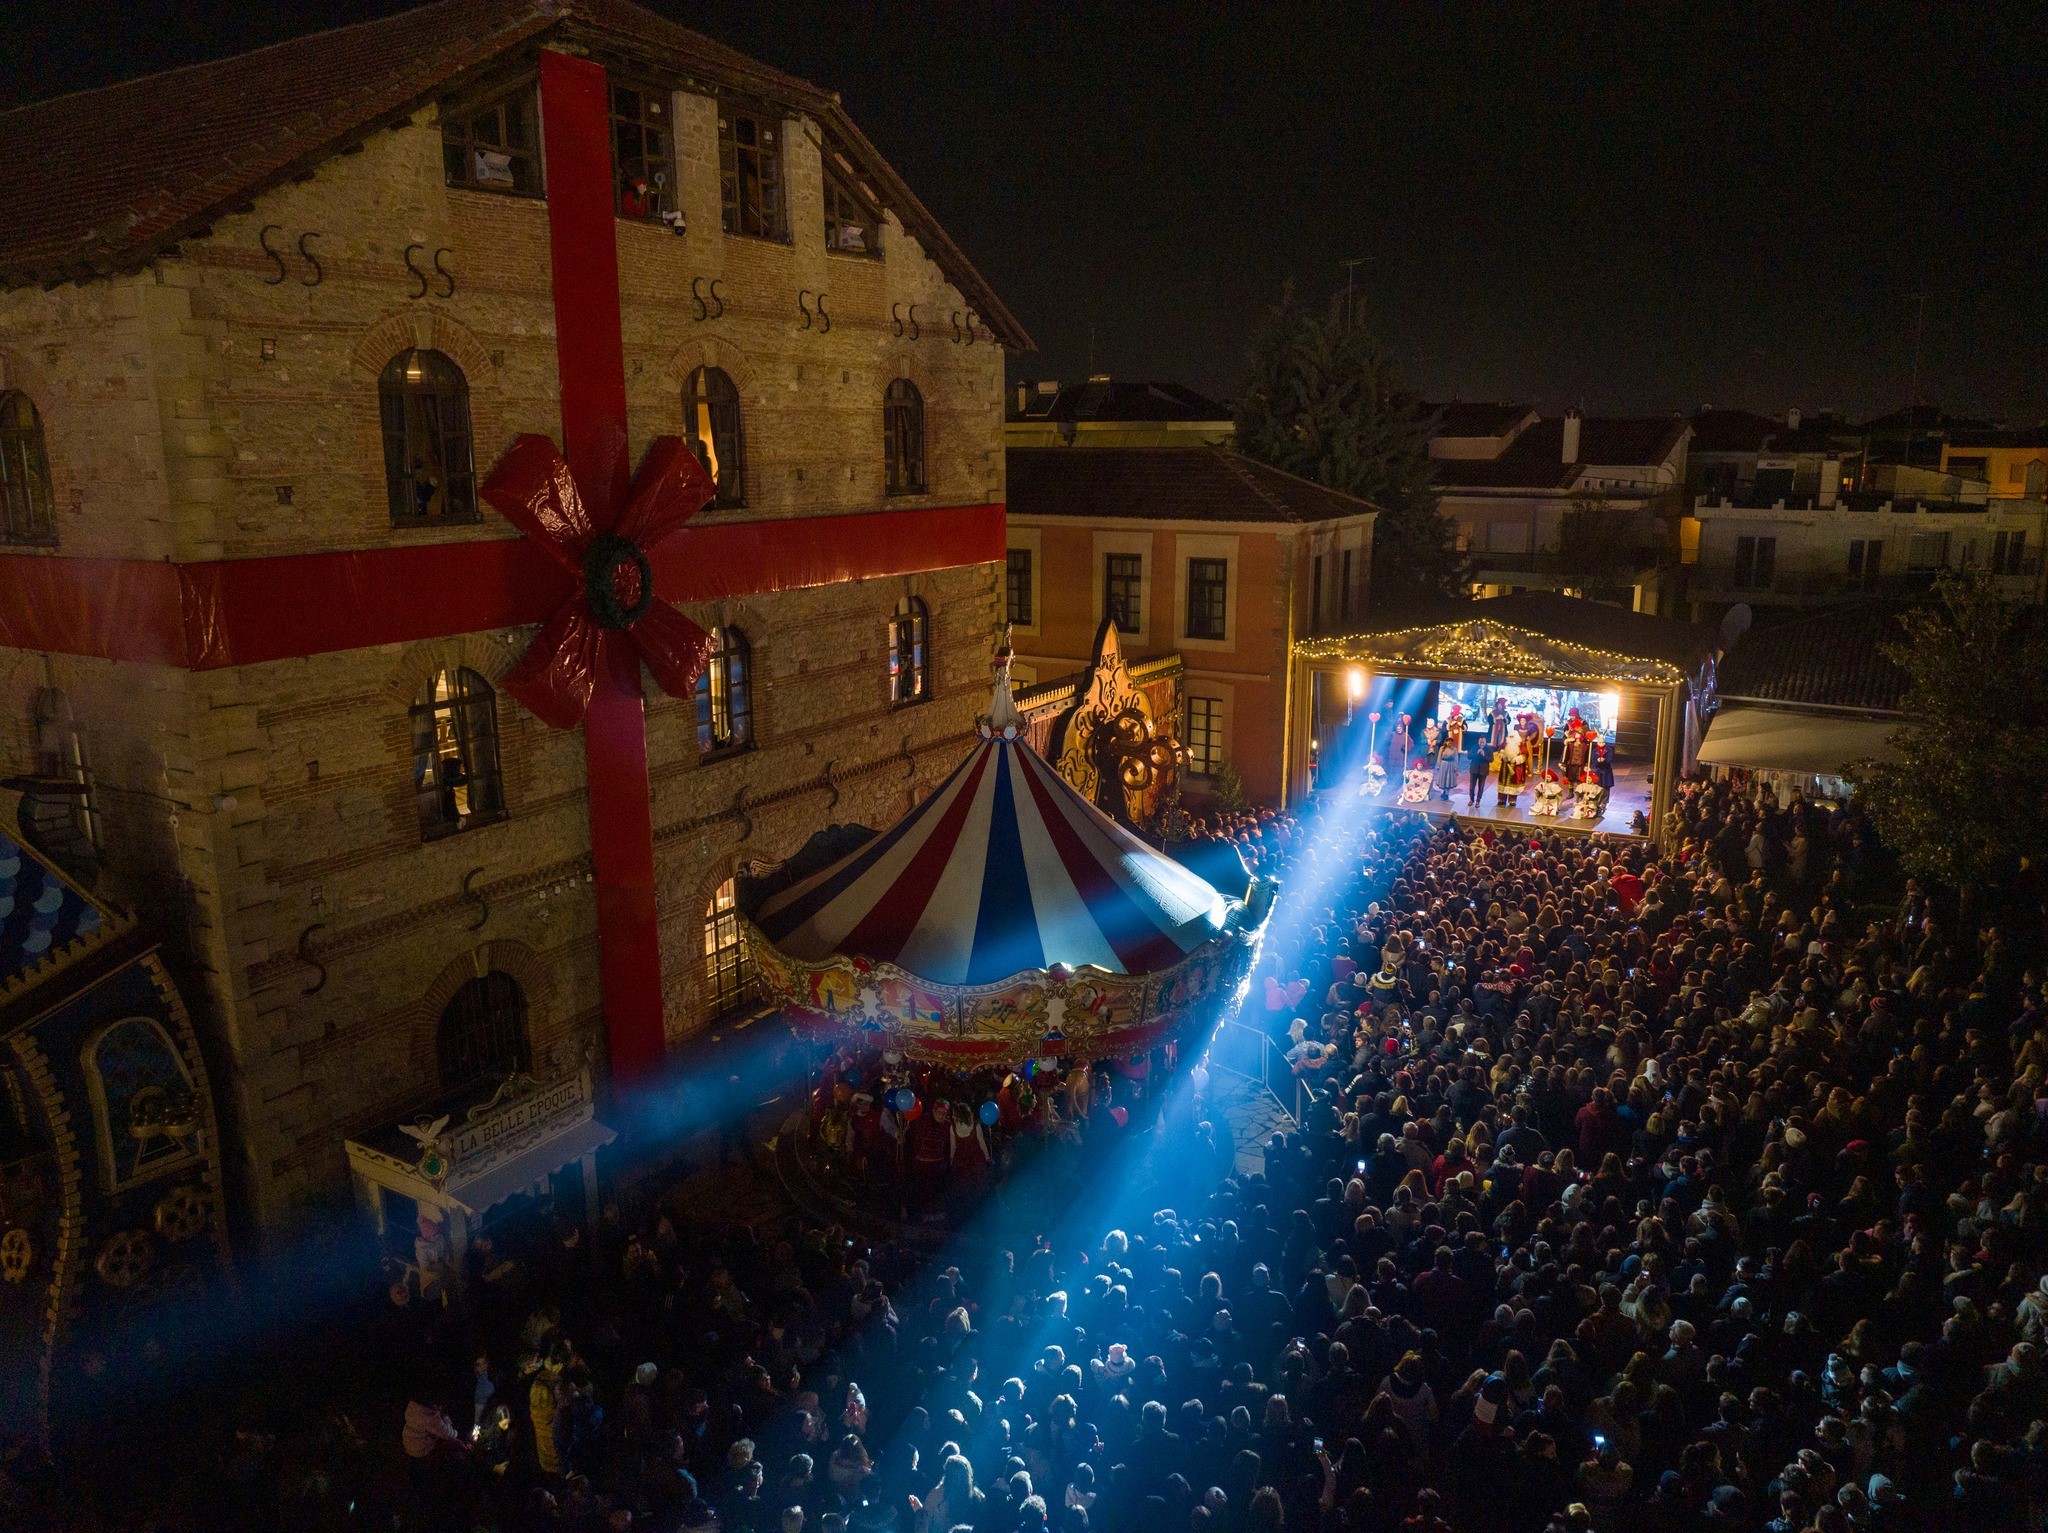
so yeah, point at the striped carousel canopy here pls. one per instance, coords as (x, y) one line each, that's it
(1004, 869)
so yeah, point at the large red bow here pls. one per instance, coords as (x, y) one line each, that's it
(614, 591)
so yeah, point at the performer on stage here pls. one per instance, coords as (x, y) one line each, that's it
(1403, 746)
(1479, 768)
(1497, 726)
(1549, 793)
(1450, 747)
(1512, 769)
(1603, 762)
(1577, 748)
(1590, 799)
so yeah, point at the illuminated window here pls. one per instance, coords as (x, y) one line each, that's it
(455, 754)
(1123, 591)
(907, 638)
(1017, 586)
(495, 148)
(711, 416)
(27, 512)
(852, 224)
(482, 1033)
(725, 719)
(643, 169)
(729, 981)
(903, 439)
(1208, 592)
(429, 470)
(750, 175)
(1205, 736)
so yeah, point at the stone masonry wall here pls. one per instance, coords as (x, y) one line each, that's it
(222, 404)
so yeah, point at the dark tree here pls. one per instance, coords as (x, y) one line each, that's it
(1963, 801)
(1322, 401)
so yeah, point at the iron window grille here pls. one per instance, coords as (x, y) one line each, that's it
(903, 439)
(429, 462)
(482, 1033)
(908, 629)
(725, 717)
(455, 754)
(28, 512)
(730, 983)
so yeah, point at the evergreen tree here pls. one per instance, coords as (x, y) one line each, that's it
(1963, 800)
(1322, 402)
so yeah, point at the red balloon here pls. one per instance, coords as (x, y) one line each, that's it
(915, 1112)
(1120, 1116)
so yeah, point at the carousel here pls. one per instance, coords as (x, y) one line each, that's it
(1004, 920)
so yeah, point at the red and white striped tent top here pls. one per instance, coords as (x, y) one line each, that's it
(1003, 870)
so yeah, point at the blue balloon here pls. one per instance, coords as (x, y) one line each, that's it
(989, 1113)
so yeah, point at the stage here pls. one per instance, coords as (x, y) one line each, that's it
(1631, 793)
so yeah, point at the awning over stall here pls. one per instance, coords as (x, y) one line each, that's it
(1781, 740)
(487, 1188)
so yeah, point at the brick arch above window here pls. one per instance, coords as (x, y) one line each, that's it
(507, 956)
(484, 653)
(712, 351)
(427, 328)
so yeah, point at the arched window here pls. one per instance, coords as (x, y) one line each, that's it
(145, 1110)
(429, 468)
(455, 753)
(903, 439)
(908, 635)
(711, 416)
(27, 513)
(482, 1032)
(725, 702)
(729, 981)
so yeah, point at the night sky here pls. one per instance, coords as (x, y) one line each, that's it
(1630, 207)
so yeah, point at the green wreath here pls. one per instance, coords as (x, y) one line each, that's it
(601, 563)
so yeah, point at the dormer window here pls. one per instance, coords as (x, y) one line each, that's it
(494, 148)
(853, 225)
(750, 174)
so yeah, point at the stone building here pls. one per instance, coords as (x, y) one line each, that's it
(266, 324)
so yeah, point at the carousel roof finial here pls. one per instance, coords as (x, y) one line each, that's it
(1002, 708)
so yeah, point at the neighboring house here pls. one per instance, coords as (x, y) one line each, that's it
(290, 307)
(2013, 463)
(1104, 412)
(1798, 536)
(1194, 550)
(1584, 505)
(1801, 701)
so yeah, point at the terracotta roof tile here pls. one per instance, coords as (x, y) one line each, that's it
(105, 180)
(1201, 484)
(1827, 659)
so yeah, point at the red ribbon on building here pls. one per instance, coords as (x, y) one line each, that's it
(604, 553)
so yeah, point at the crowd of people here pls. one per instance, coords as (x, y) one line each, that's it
(1689, 1191)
